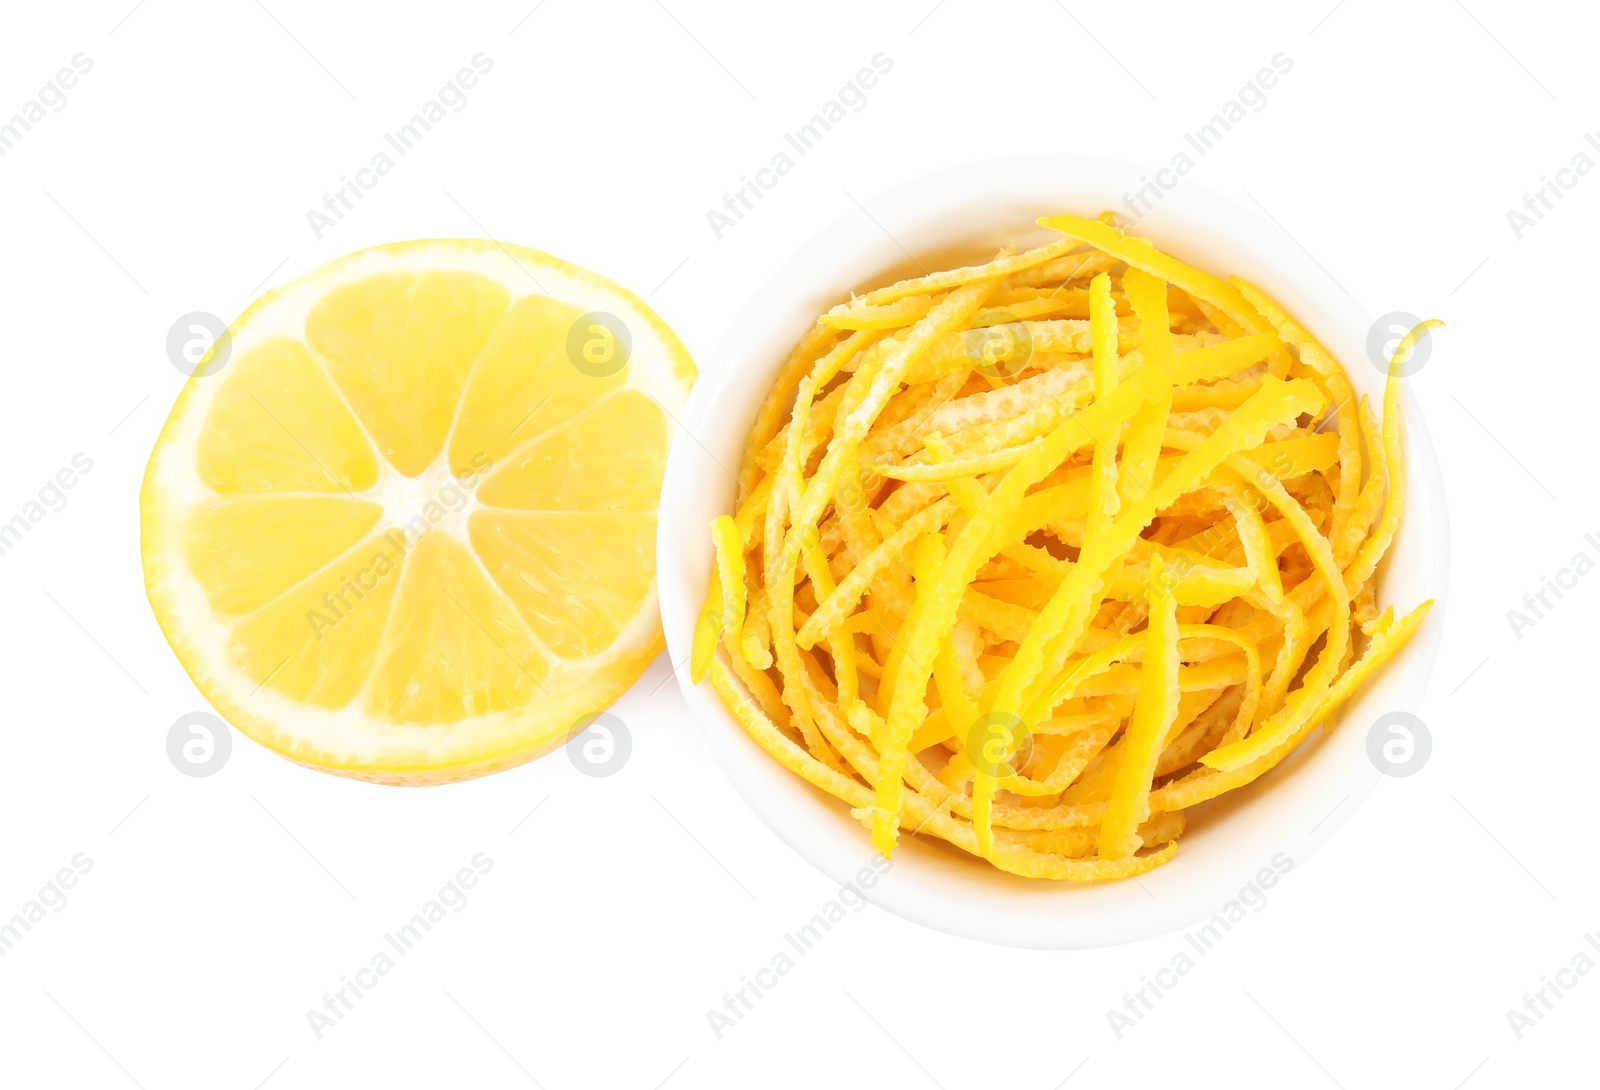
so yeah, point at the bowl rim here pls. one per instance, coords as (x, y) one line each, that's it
(925, 891)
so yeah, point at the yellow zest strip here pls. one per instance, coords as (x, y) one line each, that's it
(952, 278)
(902, 312)
(1319, 359)
(1071, 679)
(1141, 444)
(944, 471)
(922, 814)
(773, 544)
(760, 686)
(1031, 864)
(959, 709)
(770, 738)
(1208, 783)
(1060, 624)
(725, 604)
(1066, 268)
(1140, 254)
(847, 594)
(1193, 585)
(1261, 557)
(1106, 496)
(1220, 319)
(853, 512)
(1007, 620)
(1070, 499)
(1372, 493)
(926, 559)
(780, 568)
(1366, 561)
(855, 419)
(903, 436)
(1085, 745)
(1187, 367)
(977, 541)
(970, 495)
(1306, 453)
(757, 642)
(780, 618)
(707, 628)
(1103, 472)
(1153, 714)
(1099, 675)
(818, 426)
(1252, 680)
(1068, 304)
(1123, 680)
(1072, 843)
(752, 511)
(790, 470)
(841, 643)
(772, 410)
(1217, 360)
(1199, 728)
(1286, 721)
(952, 689)
(1053, 340)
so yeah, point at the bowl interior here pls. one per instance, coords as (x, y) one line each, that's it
(961, 216)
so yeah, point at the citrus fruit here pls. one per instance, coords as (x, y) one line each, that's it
(406, 530)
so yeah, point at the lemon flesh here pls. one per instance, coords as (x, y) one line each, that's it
(406, 532)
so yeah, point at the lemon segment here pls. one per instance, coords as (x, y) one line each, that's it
(317, 643)
(278, 425)
(402, 534)
(621, 442)
(524, 383)
(576, 578)
(399, 347)
(247, 550)
(457, 646)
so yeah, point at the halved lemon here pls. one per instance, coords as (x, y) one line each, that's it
(406, 531)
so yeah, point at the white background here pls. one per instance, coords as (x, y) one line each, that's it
(219, 910)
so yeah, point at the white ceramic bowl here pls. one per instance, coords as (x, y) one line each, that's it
(960, 216)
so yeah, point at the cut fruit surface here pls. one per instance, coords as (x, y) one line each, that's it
(406, 532)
